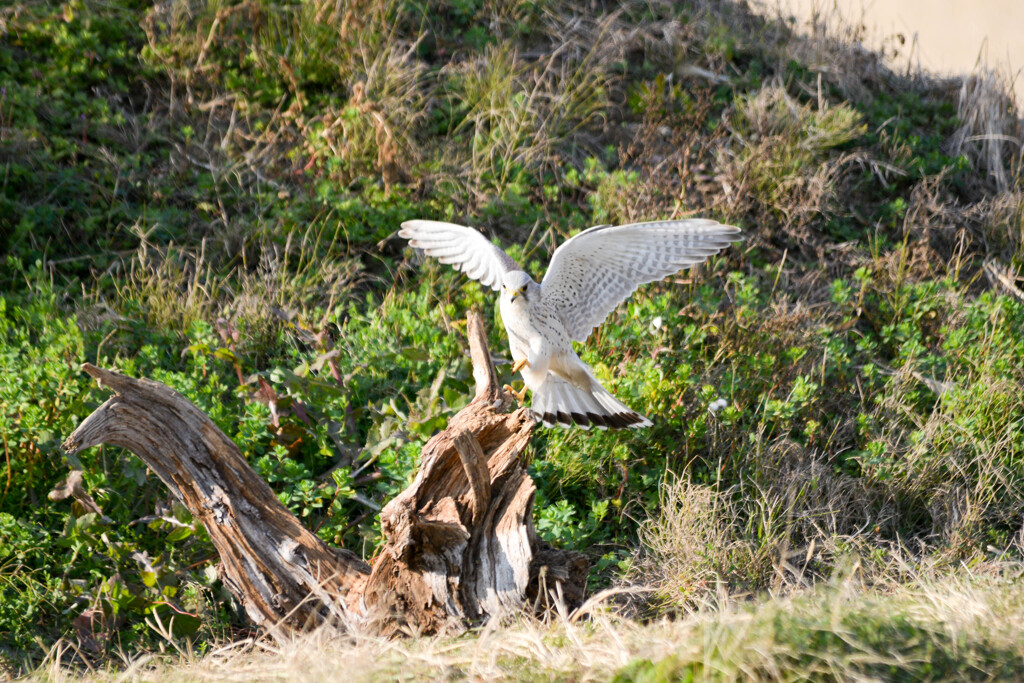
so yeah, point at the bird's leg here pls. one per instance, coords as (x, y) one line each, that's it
(519, 365)
(519, 395)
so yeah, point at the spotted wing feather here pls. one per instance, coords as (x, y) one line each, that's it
(595, 271)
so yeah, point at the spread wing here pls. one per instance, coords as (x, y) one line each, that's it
(595, 271)
(464, 248)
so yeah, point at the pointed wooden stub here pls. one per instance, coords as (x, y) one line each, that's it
(460, 540)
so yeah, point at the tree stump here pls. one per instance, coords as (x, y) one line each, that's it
(460, 546)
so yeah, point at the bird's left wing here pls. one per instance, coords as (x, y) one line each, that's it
(595, 271)
(464, 248)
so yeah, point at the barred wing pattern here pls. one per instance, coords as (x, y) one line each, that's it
(463, 248)
(599, 268)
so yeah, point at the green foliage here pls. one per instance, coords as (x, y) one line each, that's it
(42, 395)
(914, 127)
(62, 561)
(70, 78)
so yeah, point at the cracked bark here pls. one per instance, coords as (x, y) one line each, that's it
(459, 548)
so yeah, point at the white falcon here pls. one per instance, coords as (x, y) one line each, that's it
(590, 274)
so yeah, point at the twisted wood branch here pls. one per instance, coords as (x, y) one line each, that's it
(459, 542)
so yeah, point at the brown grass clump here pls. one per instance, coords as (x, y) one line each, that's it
(361, 52)
(782, 155)
(797, 522)
(522, 112)
(175, 287)
(991, 134)
(375, 133)
(834, 48)
(689, 553)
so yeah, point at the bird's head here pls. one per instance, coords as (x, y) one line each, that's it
(515, 284)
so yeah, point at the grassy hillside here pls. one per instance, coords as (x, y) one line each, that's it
(206, 193)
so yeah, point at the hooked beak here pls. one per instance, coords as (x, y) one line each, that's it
(516, 295)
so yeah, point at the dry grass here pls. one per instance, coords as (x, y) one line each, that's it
(374, 134)
(689, 552)
(835, 49)
(523, 112)
(968, 627)
(358, 48)
(795, 523)
(976, 485)
(992, 134)
(176, 287)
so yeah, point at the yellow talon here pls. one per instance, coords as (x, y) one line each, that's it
(519, 395)
(519, 365)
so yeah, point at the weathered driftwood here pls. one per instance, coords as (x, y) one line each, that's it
(460, 544)
(269, 561)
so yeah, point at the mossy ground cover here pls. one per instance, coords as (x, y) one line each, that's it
(206, 194)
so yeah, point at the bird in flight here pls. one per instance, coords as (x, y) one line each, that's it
(589, 276)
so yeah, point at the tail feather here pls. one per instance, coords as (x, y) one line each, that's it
(558, 402)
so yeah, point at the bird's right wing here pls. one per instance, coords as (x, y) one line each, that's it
(464, 248)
